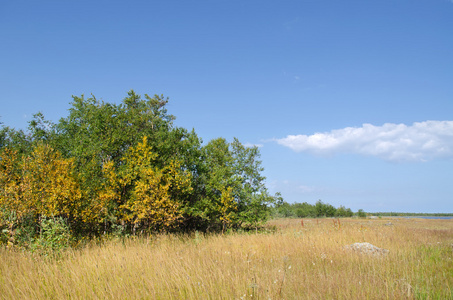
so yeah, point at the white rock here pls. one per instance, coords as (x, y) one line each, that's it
(367, 248)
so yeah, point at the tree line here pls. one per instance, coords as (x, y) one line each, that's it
(317, 210)
(125, 169)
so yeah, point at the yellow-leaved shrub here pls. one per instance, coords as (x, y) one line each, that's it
(41, 184)
(227, 207)
(142, 191)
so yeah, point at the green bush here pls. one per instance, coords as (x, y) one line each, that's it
(16, 231)
(54, 236)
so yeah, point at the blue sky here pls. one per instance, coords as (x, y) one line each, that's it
(350, 101)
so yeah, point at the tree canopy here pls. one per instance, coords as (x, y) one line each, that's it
(107, 167)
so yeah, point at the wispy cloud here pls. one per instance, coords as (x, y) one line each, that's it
(290, 24)
(421, 141)
(250, 145)
(306, 189)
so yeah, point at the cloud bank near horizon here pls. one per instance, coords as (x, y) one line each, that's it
(421, 141)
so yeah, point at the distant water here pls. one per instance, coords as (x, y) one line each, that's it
(424, 217)
(430, 217)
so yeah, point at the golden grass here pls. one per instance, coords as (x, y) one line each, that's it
(289, 263)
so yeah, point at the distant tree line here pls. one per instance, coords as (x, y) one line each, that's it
(124, 169)
(317, 210)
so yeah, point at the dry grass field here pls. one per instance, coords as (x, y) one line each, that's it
(287, 261)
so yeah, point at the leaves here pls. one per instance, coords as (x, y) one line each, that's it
(34, 186)
(107, 166)
(141, 190)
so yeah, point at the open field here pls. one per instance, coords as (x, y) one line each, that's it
(288, 262)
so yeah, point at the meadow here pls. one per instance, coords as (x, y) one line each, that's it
(284, 261)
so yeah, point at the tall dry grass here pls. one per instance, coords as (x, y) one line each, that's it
(292, 262)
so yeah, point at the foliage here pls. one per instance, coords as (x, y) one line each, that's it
(227, 206)
(361, 213)
(122, 169)
(41, 183)
(54, 236)
(324, 210)
(305, 210)
(14, 139)
(230, 171)
(34, 186)
(14, 233)
(343, 212)
(139, 192)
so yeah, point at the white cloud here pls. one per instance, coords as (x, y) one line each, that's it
(420, 141)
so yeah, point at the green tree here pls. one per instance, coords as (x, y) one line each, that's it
(138, 192)
(15, 139)
(254, 200)
(320, 209)
(285, 210)
(96, 132)
(41, 130)
(304, 210)
(103, 131)
(216, 174)
(343, 212)
(229, 166)
(361, 213)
